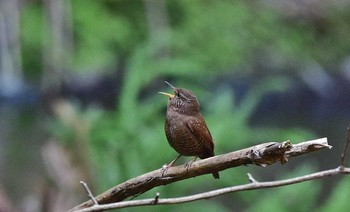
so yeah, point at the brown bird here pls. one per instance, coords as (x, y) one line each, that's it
(185, 127)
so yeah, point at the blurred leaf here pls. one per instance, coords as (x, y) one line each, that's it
(98, 33)
(338, 200)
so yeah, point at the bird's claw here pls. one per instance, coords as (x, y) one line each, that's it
(189, 163)
(164, 168)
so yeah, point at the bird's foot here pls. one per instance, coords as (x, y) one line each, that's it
(189, 163)
(165, 168)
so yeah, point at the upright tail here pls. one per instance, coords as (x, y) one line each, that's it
(216, 175)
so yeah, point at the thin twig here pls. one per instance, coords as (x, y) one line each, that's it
(214, 193)
(89, 192)
(251, 178)
(343, 155)
(156, 198)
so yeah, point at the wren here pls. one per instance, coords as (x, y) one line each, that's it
(185, 128)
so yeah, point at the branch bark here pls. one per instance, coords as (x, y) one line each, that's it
(262, 155)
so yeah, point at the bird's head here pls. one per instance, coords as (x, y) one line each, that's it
(182, 101)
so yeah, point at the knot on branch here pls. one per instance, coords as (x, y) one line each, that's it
(268, 153)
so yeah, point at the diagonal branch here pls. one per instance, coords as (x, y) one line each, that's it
(262, 155)
(253, 185)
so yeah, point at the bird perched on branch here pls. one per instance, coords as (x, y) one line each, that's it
(185, 127)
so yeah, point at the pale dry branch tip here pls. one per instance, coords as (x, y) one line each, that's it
(308, 146)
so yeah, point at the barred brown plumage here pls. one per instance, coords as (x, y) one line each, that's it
(185, 128)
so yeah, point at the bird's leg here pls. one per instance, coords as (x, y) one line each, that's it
(167, 166)
(189, 163)
(172, 162)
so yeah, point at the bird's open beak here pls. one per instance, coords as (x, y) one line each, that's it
(168, 94)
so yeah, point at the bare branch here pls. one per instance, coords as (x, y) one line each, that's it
(262, 155)
(343, 155)
(250, 186)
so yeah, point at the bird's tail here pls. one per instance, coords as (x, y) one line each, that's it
(216, 175)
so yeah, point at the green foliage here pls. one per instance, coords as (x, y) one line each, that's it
(100, 34)
(226, 34)
(338, 200)
(61, 131)
(32, 39)
(32, 26)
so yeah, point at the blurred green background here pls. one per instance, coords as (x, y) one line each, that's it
(78, 96)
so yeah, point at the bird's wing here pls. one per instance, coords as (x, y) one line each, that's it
(201, 132)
